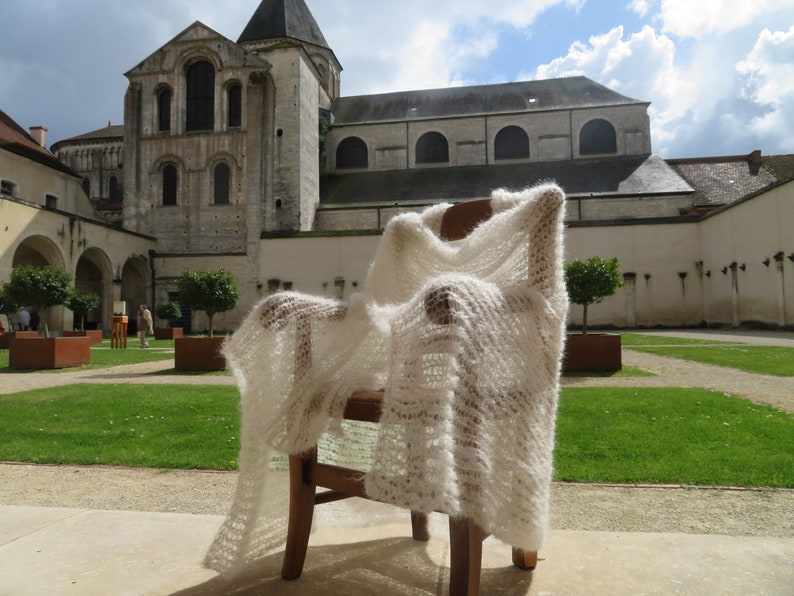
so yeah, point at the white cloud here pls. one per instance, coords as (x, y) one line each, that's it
(639, 7)
(685, 18)
(768, 72)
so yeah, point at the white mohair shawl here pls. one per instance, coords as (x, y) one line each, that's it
(470, 402)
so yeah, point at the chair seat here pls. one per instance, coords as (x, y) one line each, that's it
(364, 406)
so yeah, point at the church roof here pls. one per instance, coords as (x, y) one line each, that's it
(625, 176)
(525, 96)
(726, 179)
(275, 19)
(17, 140)
(111, 131)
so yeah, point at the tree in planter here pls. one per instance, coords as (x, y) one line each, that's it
(589, 281)
(7, 308)
(210, 291)
(80, 303)
(168, 311)
(39, 287)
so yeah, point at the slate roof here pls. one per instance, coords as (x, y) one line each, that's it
(525, 96)
(624, 176)
(17, 140)
(111, 131)
(275, 19)
(723, 180)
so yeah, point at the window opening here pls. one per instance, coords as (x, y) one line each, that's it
(512, 142)
(432, 147)
(352, 153)
(222, 176)
(170, 180)
(200, 107)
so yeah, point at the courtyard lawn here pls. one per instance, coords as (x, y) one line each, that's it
(102, 356)
(765, 360)
(678, 436)
(161, 426)
(639, 339)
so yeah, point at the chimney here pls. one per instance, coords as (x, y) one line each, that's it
(754, 162)
(39, 134)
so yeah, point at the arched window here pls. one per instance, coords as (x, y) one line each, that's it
(200, 108)
(512, 142)
(164, 110)
(221, 183)
(235, 109)
(170, 184)
(86, 184)
(432, 147)
(113, 188)
(352, 153)
(597, 136)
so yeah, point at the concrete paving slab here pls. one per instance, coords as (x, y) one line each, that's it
(66, 552)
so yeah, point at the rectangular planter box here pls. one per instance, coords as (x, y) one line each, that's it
(49, 352)
(94, 334)
(167, 332)
(592, 352)
(5, 338)
(198, 353)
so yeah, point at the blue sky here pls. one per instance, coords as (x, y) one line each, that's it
(719, 74)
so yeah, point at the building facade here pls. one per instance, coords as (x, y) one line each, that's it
(244, 155)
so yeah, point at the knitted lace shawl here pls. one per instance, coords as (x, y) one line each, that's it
(470, 401)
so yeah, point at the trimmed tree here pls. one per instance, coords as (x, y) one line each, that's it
(39, 287)
(168, 311)
(211, 291)
(589, 281)
(7, 308)
(80, 303)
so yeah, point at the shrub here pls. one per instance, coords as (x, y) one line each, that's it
(80, 302)
(591, 280)
(39, 287)
(210, 291)
(168, 311)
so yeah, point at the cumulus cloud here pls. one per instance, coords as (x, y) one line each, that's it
(685, 18)
(768, 74)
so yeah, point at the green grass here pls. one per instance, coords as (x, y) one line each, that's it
(625, 371)
(102, 356)
(678, 436)
(766, 360)
(638, 339)
(161, 426)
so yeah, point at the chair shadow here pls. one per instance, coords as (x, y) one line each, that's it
(385, 567)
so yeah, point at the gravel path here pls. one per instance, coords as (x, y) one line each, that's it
(732, 512)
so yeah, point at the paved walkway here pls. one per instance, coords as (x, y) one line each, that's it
(72, 530)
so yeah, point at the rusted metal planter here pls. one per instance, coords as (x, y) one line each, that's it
(168, 332)
(198, 353)
(94, 334)
(593, 352)
(49, 352)
(5, 338)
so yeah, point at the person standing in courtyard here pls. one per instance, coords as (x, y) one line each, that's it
(23, 320)
(145, 325)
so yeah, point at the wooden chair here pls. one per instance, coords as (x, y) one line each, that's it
(306, 473)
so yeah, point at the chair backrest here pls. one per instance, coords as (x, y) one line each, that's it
(459, 220)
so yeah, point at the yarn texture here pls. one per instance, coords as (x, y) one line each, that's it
(465, 337)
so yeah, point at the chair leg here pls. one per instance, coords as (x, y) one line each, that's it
(301, 511)
(465, 541)
(419, 526)
(523, 559)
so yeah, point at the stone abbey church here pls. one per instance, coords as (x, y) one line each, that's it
(244, 155)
